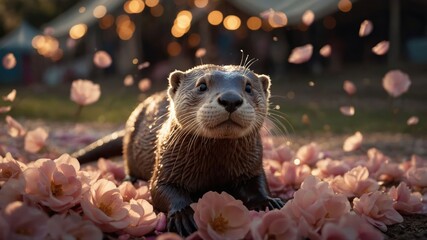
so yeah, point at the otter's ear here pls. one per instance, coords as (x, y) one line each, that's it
(266, 82)
(175, 79)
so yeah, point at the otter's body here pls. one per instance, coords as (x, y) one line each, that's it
(201, 135)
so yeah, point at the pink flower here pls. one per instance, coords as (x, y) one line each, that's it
(56, 184)
(350, 226)
(281, 153)
(353, 142)
(328, 167)
(144, 85)
(293, 175)
(25, 222)
(326, 50)
(417, 177)
(220, 216)
(396, 83)
(35, 140)
(9, 61)
(12, 191)
(128, 192)
(349, 87)
(102, 59)
(104, 206)
(72, 226)
(412, 121)
(308, 17)
(377, 209)
(301, 54)
(201, 52)
(11, 96)
(274, 224)
(143, 220)
(389, 172)
(276, 19)
(273, 174)
(315, 203)
(169, 236)
(381, 48)
(108, 166)
(128, 81)
(376, 159)
(10, 168)
(308, 154)
(365, 28)
(354, 183)
(404, 201)
(84, 92)
(14, 128)
(5, 109)
(347, 110)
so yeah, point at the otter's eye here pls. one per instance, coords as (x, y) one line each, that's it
(203, 87)
(248, 88)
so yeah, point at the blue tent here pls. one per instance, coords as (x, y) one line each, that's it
(18, 42)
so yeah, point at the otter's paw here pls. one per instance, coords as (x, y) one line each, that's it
(182, 221)
(262, 205)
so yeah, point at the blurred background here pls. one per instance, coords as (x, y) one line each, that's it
(54, 42)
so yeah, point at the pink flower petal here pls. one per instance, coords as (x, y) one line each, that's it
(347, 110)
(11, 96)
(201, 52)
(143, 65)
(301, 54)
(276, 19)
(14, 128)
(308, 17)
(353, 142)
(102, 59)
(5, 109)
(35, 140)
(128, 81)
(84, 92)
(9, 61)
(412, 121)
(349, 87)
(144, 85)
(365, 28)
(381, 48)
(396, 82)
(326, 50)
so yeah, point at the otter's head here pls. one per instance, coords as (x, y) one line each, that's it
(219, 101)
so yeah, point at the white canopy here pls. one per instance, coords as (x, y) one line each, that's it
(20, 38)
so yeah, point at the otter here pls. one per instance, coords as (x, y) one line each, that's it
(200, 135)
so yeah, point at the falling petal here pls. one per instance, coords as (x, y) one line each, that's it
(412, 121)
(84, 92)
(276, 19)
(347, 110)
(301, 54)
(35, 140)
(201, 52)
(396, 82)
(326, 50)
(308, 17)
(275, 39)
(128, 81)
(14, 128)
(381, 48)
(5, 109)
(365, 28)
(353, 142)
(349, 87)
(9, 61)
(144, 84)
(143, 65)
(11, 96)
(102, 59)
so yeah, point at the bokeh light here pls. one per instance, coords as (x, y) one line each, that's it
(151, 3)
(99, 11)
(174, 49)
(345, 5)
(194, 40)
(254, 23)
(82, 9)
(232, 22)
(125, 27)
(106, 22)
(329, 22)
(134, 6)
(78, 31)
(215, 17)
(157, 11)
(201, 3)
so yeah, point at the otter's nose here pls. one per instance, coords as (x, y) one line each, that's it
(231, 101)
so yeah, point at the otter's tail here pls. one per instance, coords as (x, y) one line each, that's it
(108, 146)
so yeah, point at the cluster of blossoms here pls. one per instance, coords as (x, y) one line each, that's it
(327, 198)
